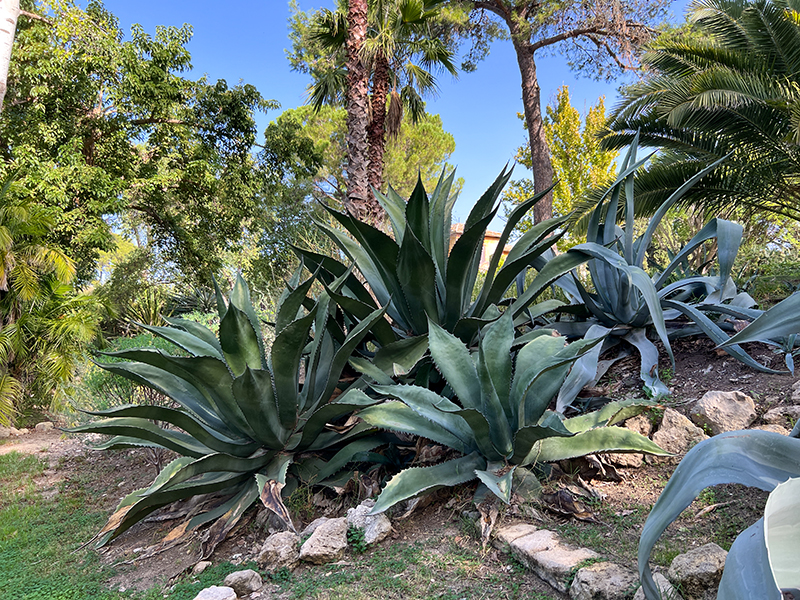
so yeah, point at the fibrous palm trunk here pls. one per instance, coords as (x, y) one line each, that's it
(9, 12)
(359, 201)
(376, 132)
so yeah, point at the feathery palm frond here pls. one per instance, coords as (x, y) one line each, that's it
(736, 92)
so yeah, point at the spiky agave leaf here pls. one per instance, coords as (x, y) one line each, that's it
(241, 413)
(755, 458)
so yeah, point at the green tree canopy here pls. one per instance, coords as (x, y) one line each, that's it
(420, 149)
(97, 127)
(578, 161)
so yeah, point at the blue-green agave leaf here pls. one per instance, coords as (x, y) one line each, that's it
(396, 416)
(453, 360)
(781, 320)
(414, 481)
(755, 458)
(500, 485)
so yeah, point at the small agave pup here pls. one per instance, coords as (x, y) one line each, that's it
(497, 415)
(246, 422)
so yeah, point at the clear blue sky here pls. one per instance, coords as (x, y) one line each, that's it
(245, 40)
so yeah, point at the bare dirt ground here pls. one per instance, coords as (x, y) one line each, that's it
(616, 517)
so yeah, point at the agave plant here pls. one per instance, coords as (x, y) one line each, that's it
(247, 422)
(420, 278)
(778, 326)
(496, 411)
(627, 300)
(763, 559)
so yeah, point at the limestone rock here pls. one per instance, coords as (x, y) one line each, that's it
(642, 425)
(547, 555)
(327, 543)
(312, 527)
(677, 434)
(796, 392)
(603, 581)
(44, 426)
(201, 566)
(724, 411)
(698, 570)
(785, 416)
(279, 550)
(668, 592)
(630, 460)
(773, 428)
(505, 535)
(376, 528)
(5, 432)
(216, 592)
(244, 582)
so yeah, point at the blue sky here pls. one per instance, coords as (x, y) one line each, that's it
(245, 40)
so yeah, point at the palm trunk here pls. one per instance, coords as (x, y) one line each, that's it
(376, 133)
(541, 165)
(9, 12)
(358, 198)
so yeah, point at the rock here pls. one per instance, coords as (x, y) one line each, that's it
(698, 570)
(630, 460)
(244, 582)
(44, 426)
(796, 391)
(724, 411)
(640, 424)
(280, 550)
(785, 416)
(773, 428)
(18, 432)
(505, 535)
(603, 581)
(216, 592)
(376, 528)
(5, 432)
(312, 527)
(327, 543)
(201, 566)
(547, 555)
(668, 592)
(677, 434)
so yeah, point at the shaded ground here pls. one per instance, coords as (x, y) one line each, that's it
(437, 548)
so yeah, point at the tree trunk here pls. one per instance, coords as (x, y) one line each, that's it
(541, 165)
(376, 133)
(359, 201)
(9, 12)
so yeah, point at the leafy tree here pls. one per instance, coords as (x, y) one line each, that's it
(420, 149)
(731, 91)
(579, 164)
(98, 127)
(400, 51)
(596, 37)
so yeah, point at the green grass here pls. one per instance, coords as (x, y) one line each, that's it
(38, 538)
(438, 569)
(40, 557)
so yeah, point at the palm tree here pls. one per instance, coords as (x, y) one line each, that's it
(401, 51)
(43, 323)
(733, 89)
